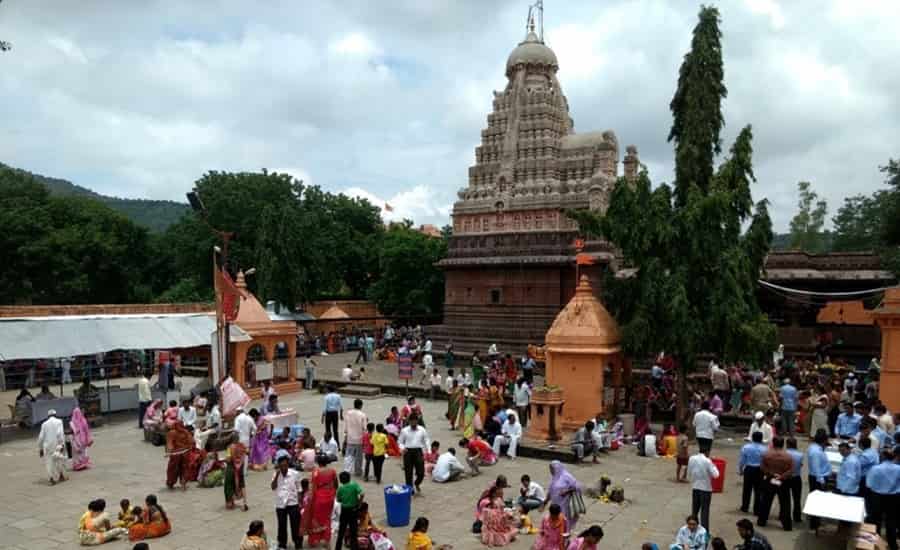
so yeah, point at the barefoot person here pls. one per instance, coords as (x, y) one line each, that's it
(52, 444)
(179, 442)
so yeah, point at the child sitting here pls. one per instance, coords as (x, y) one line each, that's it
(125, 514)
(525, 525)
(431, 457)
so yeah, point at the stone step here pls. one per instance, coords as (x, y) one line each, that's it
(361, 391)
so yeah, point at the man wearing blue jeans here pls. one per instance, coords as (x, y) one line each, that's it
(788, 407)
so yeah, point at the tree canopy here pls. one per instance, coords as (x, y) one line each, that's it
(809, 221)
(698, 246)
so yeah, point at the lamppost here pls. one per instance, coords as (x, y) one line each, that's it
(220, 262)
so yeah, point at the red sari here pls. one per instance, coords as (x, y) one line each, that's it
(315, 519)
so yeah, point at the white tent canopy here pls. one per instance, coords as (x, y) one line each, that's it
(64, 336)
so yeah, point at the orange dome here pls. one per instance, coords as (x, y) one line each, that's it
(584, 324)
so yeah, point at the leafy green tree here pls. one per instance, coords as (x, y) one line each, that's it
(410, 283)
(807, 224)
(859, 221)
(891, 227)
(58, 250)
(696, 267)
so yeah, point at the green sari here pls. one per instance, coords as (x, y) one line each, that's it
(455, 402)
(469, 419)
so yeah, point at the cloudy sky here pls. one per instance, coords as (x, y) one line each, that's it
(386, 99)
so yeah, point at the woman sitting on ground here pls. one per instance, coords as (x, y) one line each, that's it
(153, 416)
(419, 540)
(95, 528)
(552, 535)
(498, 527)
(154, 523)
(366, 527)
(255, 539)
(588, 539)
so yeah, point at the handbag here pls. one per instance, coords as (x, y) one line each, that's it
(575, 504)
(381, 542)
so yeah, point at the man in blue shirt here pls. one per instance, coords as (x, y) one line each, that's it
(883, 481)
(850, 472)
(788, 407)
(795, 483)
(847, 426)
(868, 457)
(332, 410)
(748, 467)
(819, 468)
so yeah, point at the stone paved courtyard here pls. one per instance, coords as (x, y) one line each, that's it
(36, 515)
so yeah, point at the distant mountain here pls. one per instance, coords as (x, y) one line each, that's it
(155, 215)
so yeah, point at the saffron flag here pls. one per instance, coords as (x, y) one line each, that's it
(584, 259)
(231, 296)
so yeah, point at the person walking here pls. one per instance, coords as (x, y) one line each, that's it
(706, 424)
(777, 469)
(350, 495)
(355, 423)
(749, 469)
(819, 468)
(309, 370)
(701, 471)
(52, 447)
(332, 411)
(522, 395)
(286, 486)
(788, 407)
(144, 398)
(413, 441)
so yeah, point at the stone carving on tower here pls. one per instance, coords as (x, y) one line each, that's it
(531, 164)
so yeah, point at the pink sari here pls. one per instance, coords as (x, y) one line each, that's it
(81, 440)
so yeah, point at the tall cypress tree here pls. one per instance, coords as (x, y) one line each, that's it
(698, 246)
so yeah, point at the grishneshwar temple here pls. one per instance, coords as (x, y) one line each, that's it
(511, 262)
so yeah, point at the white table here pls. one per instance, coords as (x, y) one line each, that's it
(835, 506)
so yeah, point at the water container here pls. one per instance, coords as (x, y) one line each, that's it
(397, 506)
(718, 484)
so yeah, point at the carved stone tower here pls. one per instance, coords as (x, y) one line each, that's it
(511, 261)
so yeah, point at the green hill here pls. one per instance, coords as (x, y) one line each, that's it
(155, 215)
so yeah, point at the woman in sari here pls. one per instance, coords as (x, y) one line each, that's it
(563, 486)
(153, 416)
(154, 523)
(260, 449)
(484, 400)
(255, 539)
(193, 460)
(394, 419)
(81, 440)
(315, 519)
(469, 415)
(498, 528)
(455, 404)
(234, 484)
(179, 443)
(95, 528)
(495, 399)
(588, 539)
(366, 528)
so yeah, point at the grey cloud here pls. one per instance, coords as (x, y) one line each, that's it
(138, 99)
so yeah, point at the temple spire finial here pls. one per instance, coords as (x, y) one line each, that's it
(536, 9)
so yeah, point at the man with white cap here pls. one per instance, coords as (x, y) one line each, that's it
(52, 447)
(759, 424)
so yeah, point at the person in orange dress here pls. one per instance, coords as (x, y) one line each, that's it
(154, 523)
(315, 519)
(179, 444)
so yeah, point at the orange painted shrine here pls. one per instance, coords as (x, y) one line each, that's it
(888, 318)
(272, 349)
(581, 344)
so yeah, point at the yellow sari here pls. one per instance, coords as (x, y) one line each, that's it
(418, 541)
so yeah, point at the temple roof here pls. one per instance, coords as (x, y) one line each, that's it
(531, 51)
(584, 325)
(334, 312)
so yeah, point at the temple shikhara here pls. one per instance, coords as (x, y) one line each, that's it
(511, 261)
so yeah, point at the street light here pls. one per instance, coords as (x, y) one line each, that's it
(220, 261)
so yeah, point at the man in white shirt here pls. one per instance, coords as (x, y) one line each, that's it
(187, 414)
(354, 427)
(448, 382)
(427, 348)
(701, 471)
(347, 373)
(706, 424)
(245, 427)
(213, 423)
(328, 447)
(531, 494)
(413, 441)
(52, 447)
(522, 395)
(286, 486)
(510, 434)
(759, 424)
(144, 398)
(447, 468)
